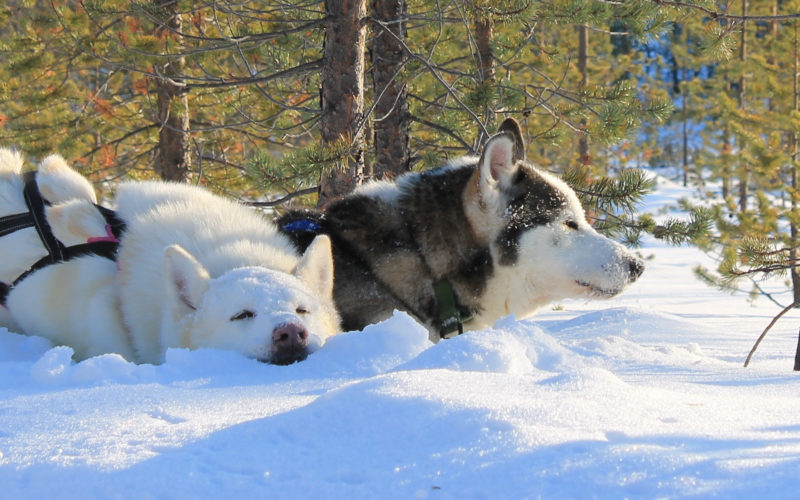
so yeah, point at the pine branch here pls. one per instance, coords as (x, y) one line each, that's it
(676, 232)
(714, 14)
(729, 285)
(608, 194)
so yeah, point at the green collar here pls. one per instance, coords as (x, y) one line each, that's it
(451, 316)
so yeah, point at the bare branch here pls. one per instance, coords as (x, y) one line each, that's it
(302, 69)
(122, 138)
(446, 131)
(280, 201)
(764, 333)
(433, 71)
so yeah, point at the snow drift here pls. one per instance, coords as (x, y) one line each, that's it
(643, 396)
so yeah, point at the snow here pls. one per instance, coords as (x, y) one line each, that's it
(641, 396)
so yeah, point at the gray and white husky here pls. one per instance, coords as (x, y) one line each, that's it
(480, 238)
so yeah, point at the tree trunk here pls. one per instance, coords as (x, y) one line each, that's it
(484, 34)
(797, 355)
(793, 253)
(343, 95)
(685, 112)
(743, 171)
(392, 118)
(685, 137)
(726, 173)
(172, 161)
(583, 56)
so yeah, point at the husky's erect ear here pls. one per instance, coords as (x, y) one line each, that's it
(185, 278)
(498, 162)
(511, 127)
(316, 267)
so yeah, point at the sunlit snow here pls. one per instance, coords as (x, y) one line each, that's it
(642, 396)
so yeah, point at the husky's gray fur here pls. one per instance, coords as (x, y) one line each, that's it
(507, 237)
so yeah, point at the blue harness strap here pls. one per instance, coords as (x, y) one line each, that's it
(302, 225)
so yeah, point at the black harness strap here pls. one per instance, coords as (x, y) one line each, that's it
(35, 202)
(107, 249)
(116, 224)
(57, 252)
(13, 223)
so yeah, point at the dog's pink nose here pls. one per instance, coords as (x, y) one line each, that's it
(289, 343)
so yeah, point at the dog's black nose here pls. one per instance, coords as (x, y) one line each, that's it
(635, 269)
(289, 344)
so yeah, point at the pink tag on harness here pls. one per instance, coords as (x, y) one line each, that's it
(108, 237)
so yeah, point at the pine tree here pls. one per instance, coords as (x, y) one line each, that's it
(90, 73)
(762, 240)
(246, 78)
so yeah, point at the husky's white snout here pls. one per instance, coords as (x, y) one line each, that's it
(619, 274)
(607, 267)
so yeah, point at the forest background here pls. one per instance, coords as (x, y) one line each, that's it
(298, 102)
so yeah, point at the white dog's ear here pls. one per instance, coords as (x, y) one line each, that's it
(316, 267)
(10, 163)
(75, 222)
(186, 279)
(498, 162)
(58, 182)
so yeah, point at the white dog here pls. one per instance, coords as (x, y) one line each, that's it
(20, 245)
(194, 270)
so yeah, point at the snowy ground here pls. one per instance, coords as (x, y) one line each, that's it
(642, 396)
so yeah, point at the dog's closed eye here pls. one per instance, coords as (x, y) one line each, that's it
(301, 310)
(243, 315)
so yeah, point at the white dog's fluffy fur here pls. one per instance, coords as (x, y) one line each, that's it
(21, 249)
(194, 270)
